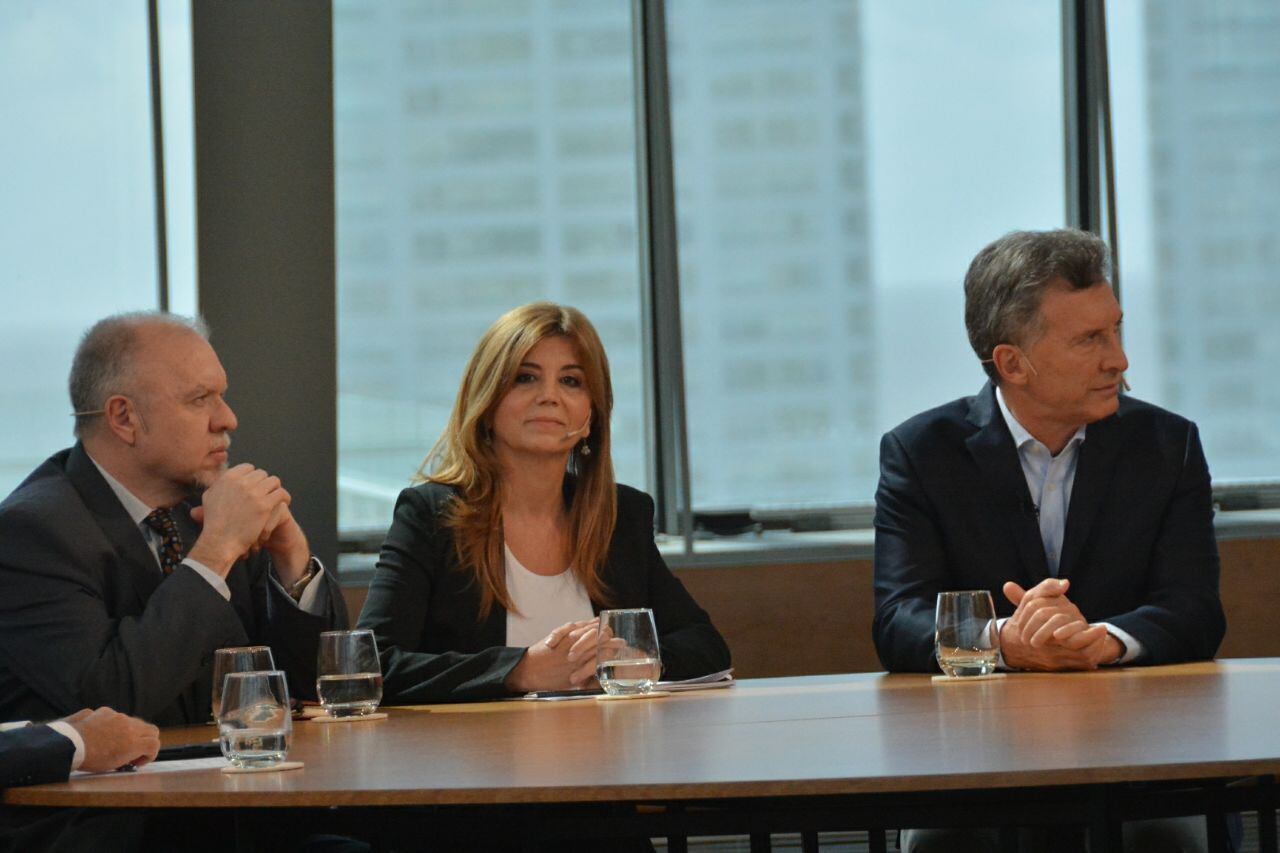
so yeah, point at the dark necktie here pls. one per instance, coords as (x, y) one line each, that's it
(161, 521)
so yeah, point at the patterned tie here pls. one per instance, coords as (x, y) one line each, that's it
(161, 521)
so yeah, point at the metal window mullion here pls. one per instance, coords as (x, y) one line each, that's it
(1080, 118)
(1090, 162)
(665, 421)
(1103, 63)
(157, 155)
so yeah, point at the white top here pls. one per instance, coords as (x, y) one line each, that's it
(542, 602)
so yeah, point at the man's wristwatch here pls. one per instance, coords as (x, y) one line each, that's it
(296, 589)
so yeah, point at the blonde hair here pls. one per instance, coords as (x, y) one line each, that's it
(463, 456)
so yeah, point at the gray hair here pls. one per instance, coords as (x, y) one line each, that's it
(1007, 281)
(104, 361)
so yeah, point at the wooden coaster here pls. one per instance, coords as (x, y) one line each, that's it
(652, 694)
(283, 765)
(354, 718)
(965, 679)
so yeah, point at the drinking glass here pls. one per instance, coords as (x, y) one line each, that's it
(627, 659)
(967, 640)
(254, 723)
(238, 659)
(348, 676)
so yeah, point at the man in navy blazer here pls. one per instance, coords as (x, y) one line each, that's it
(1088, 515)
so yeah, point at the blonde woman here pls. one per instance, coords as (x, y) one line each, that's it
(497, 563)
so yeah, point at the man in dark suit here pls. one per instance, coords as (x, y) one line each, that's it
(114, 588)
(95, 741)
(1088, 515)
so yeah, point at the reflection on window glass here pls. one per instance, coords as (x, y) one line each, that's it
(838, 164)
(78, 204)
(1197, 119)
(485, 158)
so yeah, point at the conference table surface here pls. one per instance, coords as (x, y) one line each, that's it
(809, 736)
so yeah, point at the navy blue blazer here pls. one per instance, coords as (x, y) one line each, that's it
(424, 608)
(34, 755)
(953, 512)
(89, 619)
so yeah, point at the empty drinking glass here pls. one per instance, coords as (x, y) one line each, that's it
(627, 658)
(349, 678)
(237, 659)
(967, 639)
(254, 724)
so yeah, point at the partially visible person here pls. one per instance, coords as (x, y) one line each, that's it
(95, 741)
(496, 565)
(102, 602)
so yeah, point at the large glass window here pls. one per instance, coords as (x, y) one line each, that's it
(1196, 106)
(838, 164)
(78, 204)
(485, 158)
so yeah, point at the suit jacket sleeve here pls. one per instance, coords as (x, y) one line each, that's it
(1181, 618)
(292, 633)
(33, 756)
(64, 640)
(415, 556)
(690, 645)
(910, 565)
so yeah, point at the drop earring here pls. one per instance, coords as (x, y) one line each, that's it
(585, 449)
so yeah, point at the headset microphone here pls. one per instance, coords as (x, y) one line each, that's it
(585, 424)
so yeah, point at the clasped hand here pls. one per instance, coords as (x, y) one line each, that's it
(247, 509)
(1048, 632)
(565, 660)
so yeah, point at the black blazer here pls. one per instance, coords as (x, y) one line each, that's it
(87, 620)
(953, 512)
(34, 755)
(423, 607)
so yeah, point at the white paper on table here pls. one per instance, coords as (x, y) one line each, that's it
(215, 763)
(723, 678)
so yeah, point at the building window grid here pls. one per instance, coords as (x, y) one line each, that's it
(1087, 186)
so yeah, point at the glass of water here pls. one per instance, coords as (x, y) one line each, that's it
(349, 678)
(967, 639)
(627, 658)
(254, 723)
(238, 659)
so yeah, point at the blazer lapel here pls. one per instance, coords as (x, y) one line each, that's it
(1094, 469)
(996, 457)
(125, 537)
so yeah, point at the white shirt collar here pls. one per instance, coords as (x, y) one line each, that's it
(1021, 437)
(132, 503)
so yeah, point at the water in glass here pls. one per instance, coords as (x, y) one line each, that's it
(349, 677)
(967, 640)
(254, 723)
(627, 657)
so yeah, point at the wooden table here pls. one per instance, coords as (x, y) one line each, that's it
(830, 742)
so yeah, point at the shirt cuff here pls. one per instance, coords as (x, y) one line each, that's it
(211, 576)
(1132, 648)
(1000, 664)
(68, 731)
(314, 598)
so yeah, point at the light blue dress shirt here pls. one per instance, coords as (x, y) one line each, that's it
(1050, 480)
